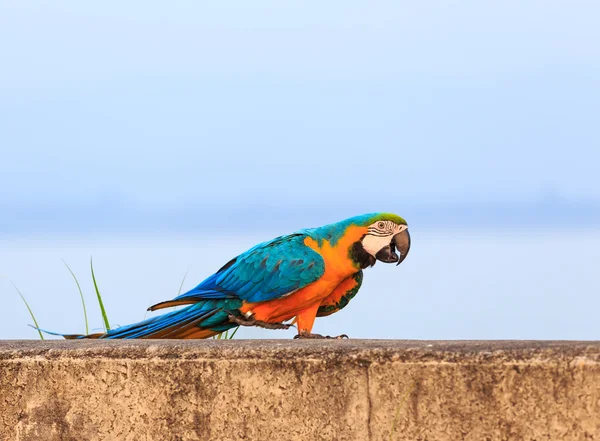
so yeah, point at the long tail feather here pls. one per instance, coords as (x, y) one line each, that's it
(200, 320)
(67, 336)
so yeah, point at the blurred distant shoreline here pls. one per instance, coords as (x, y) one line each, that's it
(109, 216)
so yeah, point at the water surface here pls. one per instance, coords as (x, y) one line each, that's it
(507, 284)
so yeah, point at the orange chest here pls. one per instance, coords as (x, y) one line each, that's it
(338, 263)
(338, 267)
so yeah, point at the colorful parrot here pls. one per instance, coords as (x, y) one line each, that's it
(311, 273)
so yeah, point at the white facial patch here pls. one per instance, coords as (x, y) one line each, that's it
(372, 244)
(380, 235)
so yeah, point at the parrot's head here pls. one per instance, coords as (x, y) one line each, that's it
(386, 240)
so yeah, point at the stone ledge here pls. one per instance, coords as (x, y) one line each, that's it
(299, 390)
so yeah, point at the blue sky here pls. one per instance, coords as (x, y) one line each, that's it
(240, 108)
(270, 115)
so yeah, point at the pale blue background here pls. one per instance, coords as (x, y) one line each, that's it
(160, 137)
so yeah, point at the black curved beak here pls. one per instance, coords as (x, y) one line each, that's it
(401, 243)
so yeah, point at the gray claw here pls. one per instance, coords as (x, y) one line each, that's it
(308, 335)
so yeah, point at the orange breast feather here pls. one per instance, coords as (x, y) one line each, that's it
(338, 266)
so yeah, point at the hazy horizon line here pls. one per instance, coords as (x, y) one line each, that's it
(110, 216)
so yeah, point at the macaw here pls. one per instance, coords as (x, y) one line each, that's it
(311, 273)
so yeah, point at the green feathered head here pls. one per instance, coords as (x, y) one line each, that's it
(366, 220)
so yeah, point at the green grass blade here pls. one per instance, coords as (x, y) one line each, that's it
(104, 316)
(183, 281)
(233, 333)
(30, 311)
(178, 292)
(87, 330)
(225, 335)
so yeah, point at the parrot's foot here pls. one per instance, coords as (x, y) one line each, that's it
(252, 322)
(304, 334)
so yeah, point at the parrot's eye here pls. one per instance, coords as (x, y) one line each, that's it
(380, 224)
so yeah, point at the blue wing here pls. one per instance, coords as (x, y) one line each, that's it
(268, 271)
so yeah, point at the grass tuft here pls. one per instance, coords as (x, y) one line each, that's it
(100, 302)
(30, 311)
(227, 335)
(87, 330)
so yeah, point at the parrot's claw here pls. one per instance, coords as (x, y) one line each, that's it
(253, 322)
(304, 334)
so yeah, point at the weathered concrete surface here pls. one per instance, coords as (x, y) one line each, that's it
(299, 390)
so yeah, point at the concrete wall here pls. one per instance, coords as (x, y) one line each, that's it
(299, 390)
